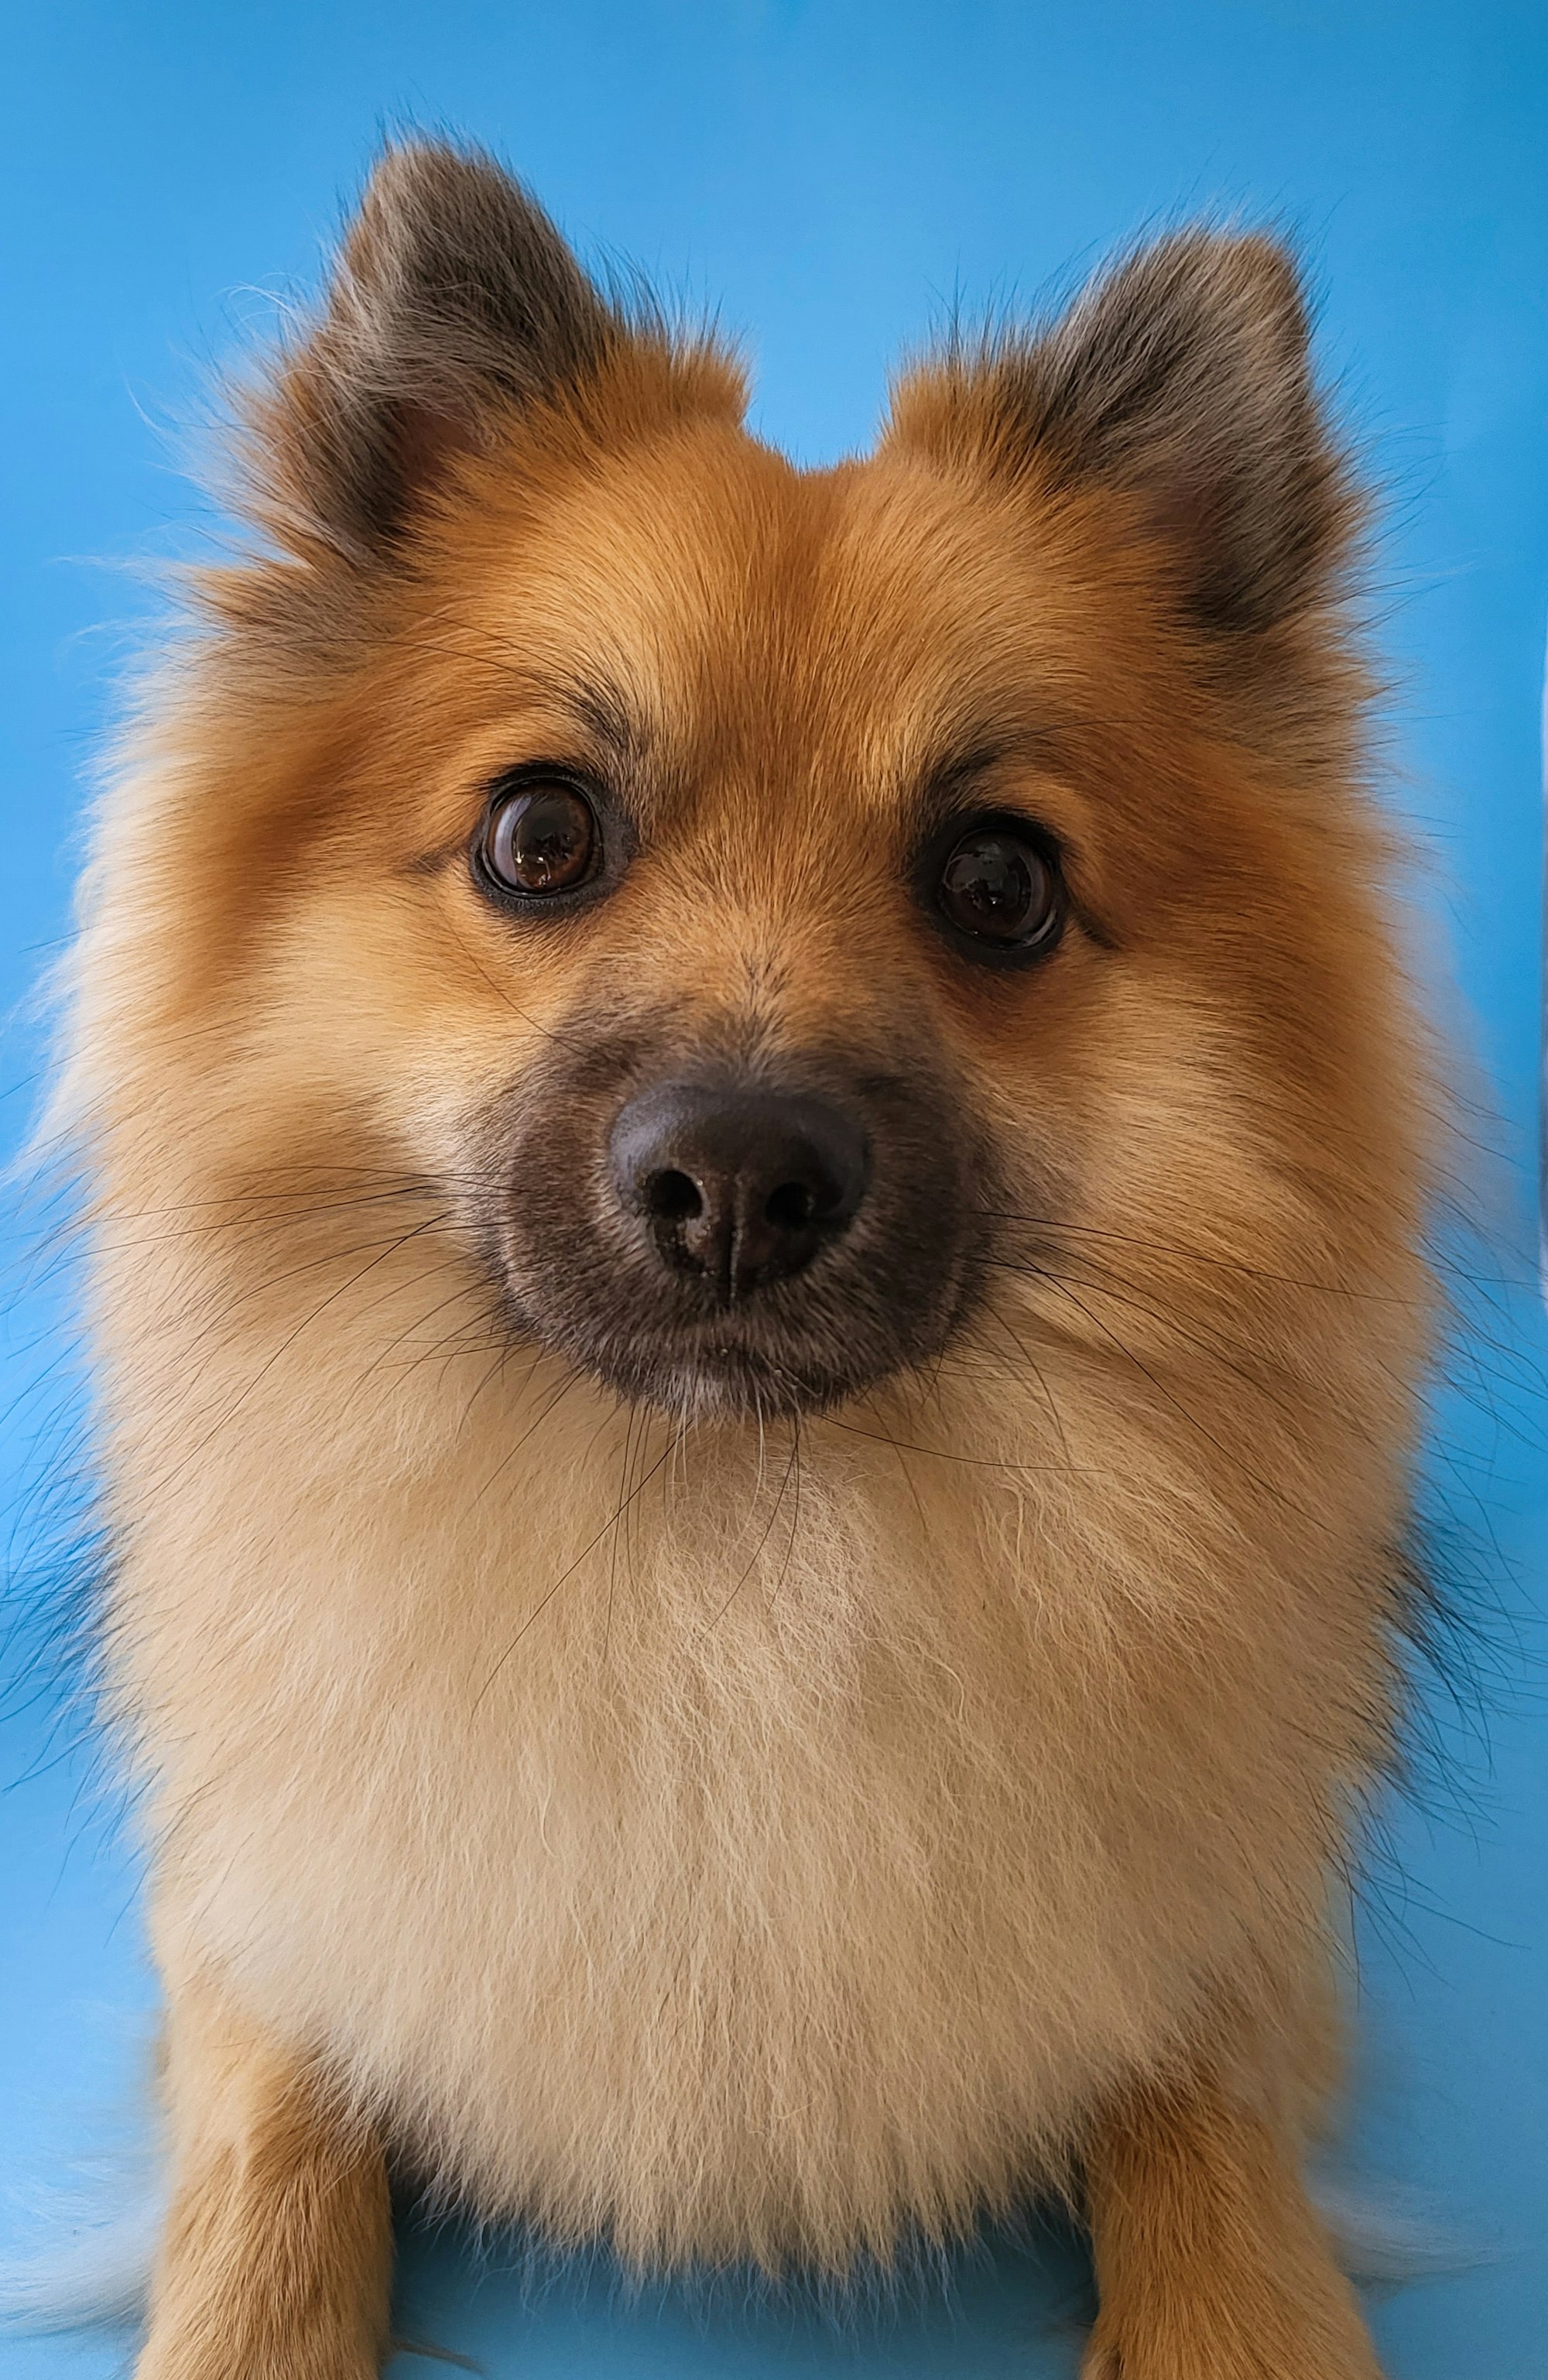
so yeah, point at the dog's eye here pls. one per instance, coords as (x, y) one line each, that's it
(998, 888)
(543, 838)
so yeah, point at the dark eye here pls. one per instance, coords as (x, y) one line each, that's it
(543, 838)
(997, 886)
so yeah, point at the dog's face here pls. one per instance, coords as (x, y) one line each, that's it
(773, 920)
(767, 908)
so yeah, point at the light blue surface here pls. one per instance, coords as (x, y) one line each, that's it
(835, 176)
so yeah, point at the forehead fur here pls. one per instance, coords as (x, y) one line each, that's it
(700, 565)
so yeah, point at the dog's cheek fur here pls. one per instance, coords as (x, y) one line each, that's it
(755, 1844)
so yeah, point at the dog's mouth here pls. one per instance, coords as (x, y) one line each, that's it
(731, 1243)
(734, 1366)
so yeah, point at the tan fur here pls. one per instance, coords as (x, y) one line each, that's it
(278, 2245)
(1208, 2258)
(754, 1843)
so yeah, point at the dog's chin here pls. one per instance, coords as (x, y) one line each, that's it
(696, 1377)
(725, 1382)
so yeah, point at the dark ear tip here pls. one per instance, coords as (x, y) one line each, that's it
(418, 185)
(1254, 276)
(416, 165)
(1269, 274)
(415, 182)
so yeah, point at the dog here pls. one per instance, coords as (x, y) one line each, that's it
(758, 1160)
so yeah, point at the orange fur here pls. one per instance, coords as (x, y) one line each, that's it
(754, 1841)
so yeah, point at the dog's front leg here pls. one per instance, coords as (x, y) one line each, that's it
(276, 2260)
(1211, 2264)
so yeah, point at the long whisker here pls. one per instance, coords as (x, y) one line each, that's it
(547, 1597)
(1270, 1488)
(947, 1455)
(285, 1344)
(756, 1554)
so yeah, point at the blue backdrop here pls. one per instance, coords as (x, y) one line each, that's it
(834, 177)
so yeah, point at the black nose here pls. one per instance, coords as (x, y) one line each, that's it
(741, 1185)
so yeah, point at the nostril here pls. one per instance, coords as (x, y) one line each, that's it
(674, 1198)
(736, 1184)
(790, 1208)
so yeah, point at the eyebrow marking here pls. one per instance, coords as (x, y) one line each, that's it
(948, 778)
(601, 710)
(951, 772)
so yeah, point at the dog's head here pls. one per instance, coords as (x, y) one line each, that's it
(766, 907)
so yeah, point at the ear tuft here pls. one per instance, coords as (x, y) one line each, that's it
(455, 294)
(1181, 377)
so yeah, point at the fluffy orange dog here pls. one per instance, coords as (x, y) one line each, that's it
(760, 1167)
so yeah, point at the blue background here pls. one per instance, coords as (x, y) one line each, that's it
(834, 177)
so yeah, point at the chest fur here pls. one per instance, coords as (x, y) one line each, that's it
(735, 1849)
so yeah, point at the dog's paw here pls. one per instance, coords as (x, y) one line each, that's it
(1186, 2353)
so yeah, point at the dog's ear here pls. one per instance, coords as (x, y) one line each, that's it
(1181, 377)
(453, 297)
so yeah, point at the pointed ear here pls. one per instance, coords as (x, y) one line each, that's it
(453, 297)
(1182, 378)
